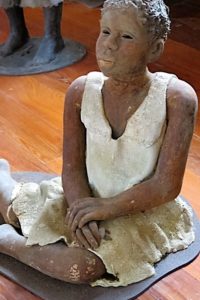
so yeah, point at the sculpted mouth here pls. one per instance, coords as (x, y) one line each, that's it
(105, 62)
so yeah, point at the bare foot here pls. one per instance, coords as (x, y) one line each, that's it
(7, 184)
(47, 50)
(14, 42)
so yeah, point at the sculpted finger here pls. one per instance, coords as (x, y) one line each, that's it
(74, 209)
(77, 218)
(81, 239)
(70, 216)
(90, 216)
(102, 232)
(95, 231)
(90, 238)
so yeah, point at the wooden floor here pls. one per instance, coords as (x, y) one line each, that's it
(31, 110)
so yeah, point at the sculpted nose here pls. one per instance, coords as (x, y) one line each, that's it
(111, 43)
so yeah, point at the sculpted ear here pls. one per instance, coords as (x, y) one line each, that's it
(156, 50)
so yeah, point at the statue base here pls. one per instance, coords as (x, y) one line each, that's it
(21, 61)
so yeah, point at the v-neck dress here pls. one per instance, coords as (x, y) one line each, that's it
(134, 243)
(115, 165)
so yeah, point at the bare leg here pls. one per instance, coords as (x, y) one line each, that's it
(7, 185)
(52, 42)
(73, 265)
(18, 32)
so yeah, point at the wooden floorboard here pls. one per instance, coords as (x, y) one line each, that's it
(31, 110)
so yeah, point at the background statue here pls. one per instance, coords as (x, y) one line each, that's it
(127, 133)
(52, 41)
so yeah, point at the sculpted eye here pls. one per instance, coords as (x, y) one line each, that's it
(127, 36)
(106, 31)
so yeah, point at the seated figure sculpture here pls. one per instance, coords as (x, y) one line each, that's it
(127, 133)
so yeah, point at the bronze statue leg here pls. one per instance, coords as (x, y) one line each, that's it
(18, 35)
(52, 41)
(74, 265)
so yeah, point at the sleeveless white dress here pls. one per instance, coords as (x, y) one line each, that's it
(29, 3)
(135, 242)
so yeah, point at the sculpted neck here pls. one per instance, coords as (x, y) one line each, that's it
(132, 84)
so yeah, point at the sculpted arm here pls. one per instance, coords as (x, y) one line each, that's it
(74, 176)
(165, 183)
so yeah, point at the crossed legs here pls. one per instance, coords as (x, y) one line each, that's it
(74, 265)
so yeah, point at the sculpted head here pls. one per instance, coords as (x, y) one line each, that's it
(154, 15)
(132, 35)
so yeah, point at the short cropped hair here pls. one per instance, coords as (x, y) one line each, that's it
(153, 13)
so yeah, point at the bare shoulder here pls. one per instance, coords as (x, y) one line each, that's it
(181, 98)
(75, 91)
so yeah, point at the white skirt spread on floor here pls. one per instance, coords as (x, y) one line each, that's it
(134, 244)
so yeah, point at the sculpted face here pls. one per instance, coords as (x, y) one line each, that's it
(123, 44)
